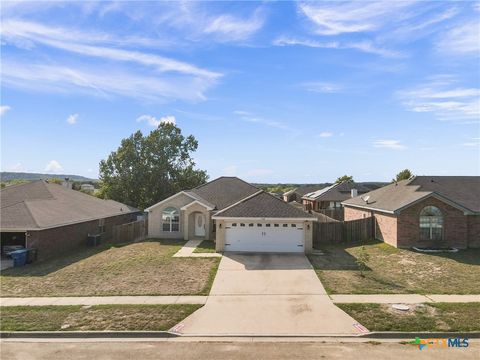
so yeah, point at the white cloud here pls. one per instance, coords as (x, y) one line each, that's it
(389, 144)
(18, 167)
(4, 109)
(475, 142)
(321, 87)
(249, 117)
(72, 119)
(325, 134)
(444, 99)
(462, 39)
(364, 46)
(53, 166)
(334, 18)
(153, 121)
(232, 28)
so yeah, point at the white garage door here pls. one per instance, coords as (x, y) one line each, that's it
(264, 237)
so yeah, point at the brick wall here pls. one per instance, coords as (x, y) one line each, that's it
(455, 226)
(385, 224)
(55, 241)
(473, 231)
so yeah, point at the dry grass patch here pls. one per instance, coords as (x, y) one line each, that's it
(88, 318)
(400, 271)
(456, 317)
(145, 268)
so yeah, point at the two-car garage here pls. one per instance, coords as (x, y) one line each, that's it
(265, 236)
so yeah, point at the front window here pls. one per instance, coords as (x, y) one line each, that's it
(170, 219)
(431, 223)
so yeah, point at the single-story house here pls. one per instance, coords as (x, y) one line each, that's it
(424, 211)
(328, 200)
(296, 194)
(236, 215)
(54, 218)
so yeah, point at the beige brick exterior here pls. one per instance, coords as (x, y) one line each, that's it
(403, 229)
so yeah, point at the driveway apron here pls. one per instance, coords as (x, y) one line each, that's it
(267, 294)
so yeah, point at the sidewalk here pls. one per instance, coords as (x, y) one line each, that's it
(189, 247)
(103, 300)
(403, 298)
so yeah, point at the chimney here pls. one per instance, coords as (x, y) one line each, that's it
(67, 183)
(354, 192)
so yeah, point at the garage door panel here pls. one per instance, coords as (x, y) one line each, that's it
(264, 238)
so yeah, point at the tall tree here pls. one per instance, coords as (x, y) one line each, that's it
(344, 178)
(147, 169)
(403, 175)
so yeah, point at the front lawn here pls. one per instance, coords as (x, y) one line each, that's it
(397, 271)
(99, 317)
(144, 268)
(206, 246)
(421, 317)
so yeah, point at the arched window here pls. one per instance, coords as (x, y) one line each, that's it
(170, 219)
(431, 223)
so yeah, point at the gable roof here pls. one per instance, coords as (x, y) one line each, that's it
(224, 191)
(461, 191)
(263, 205)
(336, 192)
(41, 205)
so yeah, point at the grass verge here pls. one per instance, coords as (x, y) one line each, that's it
(397, 271)
(206, 246)
(89, 318)
(456, 317)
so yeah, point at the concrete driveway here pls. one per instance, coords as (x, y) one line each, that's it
(267, 294)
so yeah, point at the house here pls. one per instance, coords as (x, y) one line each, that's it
(236, 215)
(296, 194)
(53, 218)
(424, 211)
(328, 200)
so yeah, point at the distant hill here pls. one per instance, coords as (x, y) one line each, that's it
(9, 176)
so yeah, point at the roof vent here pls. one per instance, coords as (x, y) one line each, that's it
(354, 193)
(366, 198)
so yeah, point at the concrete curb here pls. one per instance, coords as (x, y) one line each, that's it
(166, 334)
(85, 334)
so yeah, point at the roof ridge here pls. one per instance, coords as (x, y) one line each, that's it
(241, 201)
(224, 177)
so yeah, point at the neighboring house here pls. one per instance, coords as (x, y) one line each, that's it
(424, 211)
(54, 219)
(328, 200)
(296, 194)
(88, 188)
(234, 213)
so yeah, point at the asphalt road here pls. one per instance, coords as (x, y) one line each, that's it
(145, 350)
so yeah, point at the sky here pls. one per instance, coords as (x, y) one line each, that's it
(278, 92)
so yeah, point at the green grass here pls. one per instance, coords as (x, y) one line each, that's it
(89, 318)
(397, 271)
(144, 268)
(206, 246)
(456, 317)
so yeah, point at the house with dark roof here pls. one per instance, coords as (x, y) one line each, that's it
(328, 200)
(53, 218)
(236, 215)
(424, 211)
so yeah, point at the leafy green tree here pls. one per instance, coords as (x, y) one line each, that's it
(147, 169)
(55, 181)
(344, 178)
(403, 175)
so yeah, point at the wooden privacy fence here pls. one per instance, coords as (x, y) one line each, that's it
(129, 232)
(333, 232)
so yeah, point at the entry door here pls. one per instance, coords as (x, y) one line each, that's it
(199, 224)
(264, 237)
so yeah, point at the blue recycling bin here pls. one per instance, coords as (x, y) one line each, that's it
(19, 257)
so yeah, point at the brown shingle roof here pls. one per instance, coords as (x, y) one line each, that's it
(464, 191)
(39, 205)
(264, 205)
(224, 191)
(336, 192)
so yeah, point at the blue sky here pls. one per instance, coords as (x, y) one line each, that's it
(273, 91)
